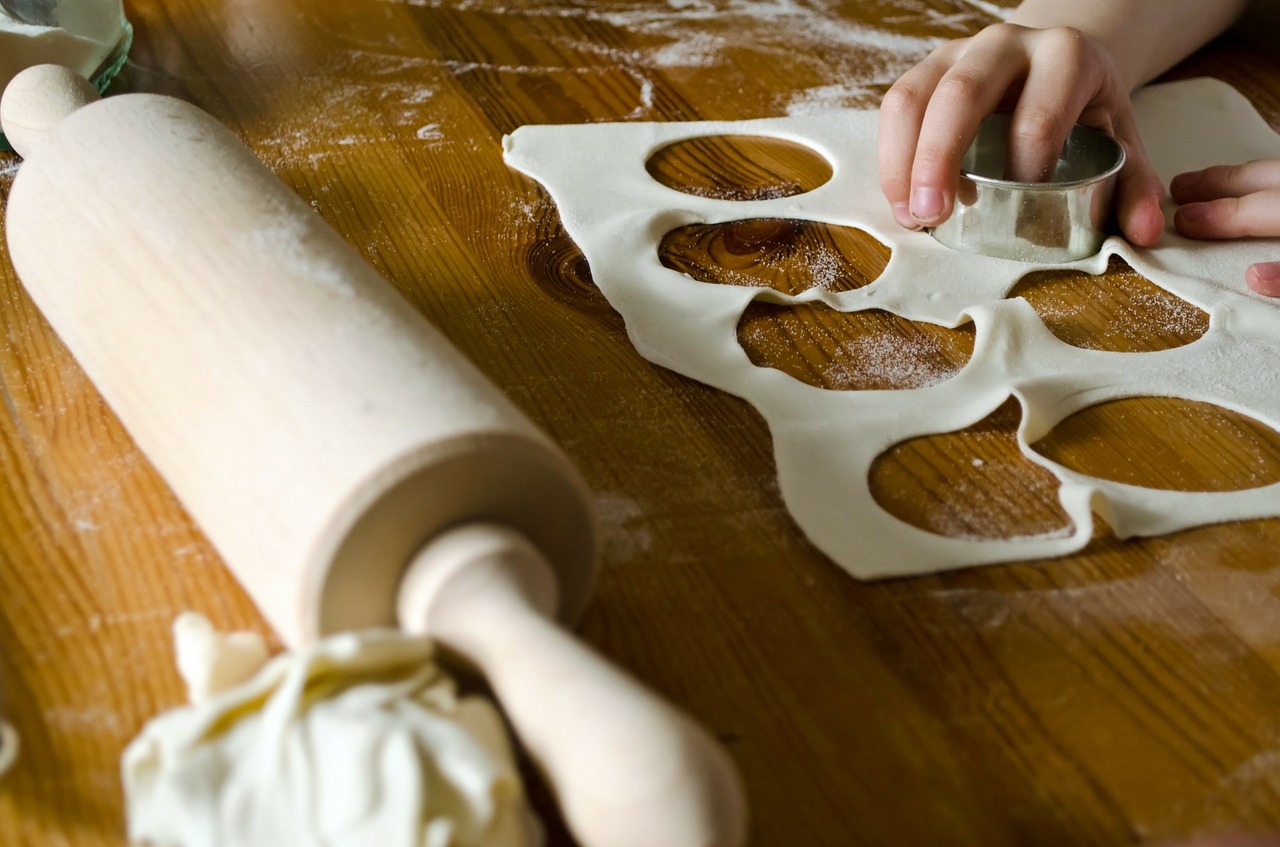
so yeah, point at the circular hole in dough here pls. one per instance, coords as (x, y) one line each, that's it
(849, 351)
(739, 167)
(787, 255)
(972, 483)
(1119, 311)
(1166, 443)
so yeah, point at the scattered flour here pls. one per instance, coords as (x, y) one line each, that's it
(816, 37)
(828, 98)
(826, 266)
(623, 535)
(995, 10)
(429, 132)
(853, 62)
(915, 362)
(697, 50)
(385, 98)
(647, 93)
(1164, 313)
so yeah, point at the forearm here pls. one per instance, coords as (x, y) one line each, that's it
(1143, 37)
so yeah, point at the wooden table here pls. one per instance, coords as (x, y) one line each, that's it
(1128, 694)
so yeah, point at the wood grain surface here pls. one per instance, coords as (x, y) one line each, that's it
(1126, 695)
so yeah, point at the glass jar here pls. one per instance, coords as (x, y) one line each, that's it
(92, 37)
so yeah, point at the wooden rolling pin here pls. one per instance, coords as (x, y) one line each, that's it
(329, 441)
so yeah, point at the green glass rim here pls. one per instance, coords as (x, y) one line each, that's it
(105, 73)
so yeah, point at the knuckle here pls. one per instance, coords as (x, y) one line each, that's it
(902, 99)
(960, 88)
(1074, 51)
(1065, 35)
(1004, 31)
(1070, 45)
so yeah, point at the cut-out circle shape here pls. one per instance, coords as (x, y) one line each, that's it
(1166, 443)
(739, 167)
(973, 483)
(870, 350)
(1119, 312)
(787, 255)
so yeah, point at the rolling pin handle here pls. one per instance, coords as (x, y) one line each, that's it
(627, 768)
(37, 99)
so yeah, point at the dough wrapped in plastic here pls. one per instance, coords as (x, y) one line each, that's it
(360, 741)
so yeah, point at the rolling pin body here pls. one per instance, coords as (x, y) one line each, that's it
(314, 425)
(328, 440)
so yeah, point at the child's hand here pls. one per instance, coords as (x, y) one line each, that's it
(1233, 201)
(1052, 78)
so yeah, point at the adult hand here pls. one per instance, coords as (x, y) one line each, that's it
(1233, 201)
(1051, 78)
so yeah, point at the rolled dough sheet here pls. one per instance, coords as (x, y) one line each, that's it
(825, 441)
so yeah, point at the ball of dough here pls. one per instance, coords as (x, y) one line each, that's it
(360, 741)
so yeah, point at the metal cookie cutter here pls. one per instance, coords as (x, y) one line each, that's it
(1061, 220)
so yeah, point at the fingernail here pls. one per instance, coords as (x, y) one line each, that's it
(1264, 278)
(902, 214)
(926, 205)
(1269, 271)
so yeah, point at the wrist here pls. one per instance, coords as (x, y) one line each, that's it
(1101, 31)
(1141, 38)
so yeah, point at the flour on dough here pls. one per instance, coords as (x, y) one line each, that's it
(825, 441)
(359, 741)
